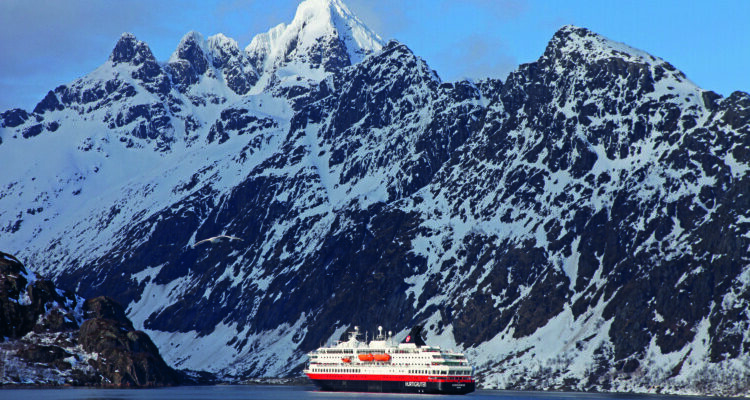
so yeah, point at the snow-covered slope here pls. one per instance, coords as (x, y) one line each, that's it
(581, 225)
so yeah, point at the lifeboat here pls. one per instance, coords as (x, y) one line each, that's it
(366, 357)
(382, 357)
(346, 360)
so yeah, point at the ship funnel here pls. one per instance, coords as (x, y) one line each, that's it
(415, 336)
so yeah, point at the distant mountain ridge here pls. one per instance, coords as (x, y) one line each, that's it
(581, 225)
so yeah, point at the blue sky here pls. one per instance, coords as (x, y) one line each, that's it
(45, 43)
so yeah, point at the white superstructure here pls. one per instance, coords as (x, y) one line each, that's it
(382, 356)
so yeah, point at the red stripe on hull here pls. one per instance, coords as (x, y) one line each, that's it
(394, 378)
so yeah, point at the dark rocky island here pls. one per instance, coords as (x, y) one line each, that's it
(53, 337)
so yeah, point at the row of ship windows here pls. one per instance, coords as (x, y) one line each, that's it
(448, 372)
(337, 371)
(403, 358)
(414, 351)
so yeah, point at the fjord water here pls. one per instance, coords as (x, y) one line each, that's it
(237, 392)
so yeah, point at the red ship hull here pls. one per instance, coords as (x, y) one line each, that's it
(392, 384)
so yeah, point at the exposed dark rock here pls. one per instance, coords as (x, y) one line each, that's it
(27, 306)
(125, 357)
(13, 275)
(13, 118)
(183, 74)
(130, 50)
(33, 130)
(239, 74)
(106, 308)
(192, 52)
(43, 354)
(152, 122)
(137, 53)
(14, 321)
(240, 121)
(191, 62)
(49, 103)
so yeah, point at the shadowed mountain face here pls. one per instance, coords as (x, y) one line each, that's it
(580, 225)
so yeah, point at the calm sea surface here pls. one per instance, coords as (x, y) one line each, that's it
(292, 393)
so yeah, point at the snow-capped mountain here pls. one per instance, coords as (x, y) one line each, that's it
(324, 37)
(581, 225)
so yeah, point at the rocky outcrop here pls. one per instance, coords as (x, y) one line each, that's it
(126, 357)
(13, 118)
(30, 304)
(51, 337)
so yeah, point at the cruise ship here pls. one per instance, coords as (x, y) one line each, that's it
(384, 366)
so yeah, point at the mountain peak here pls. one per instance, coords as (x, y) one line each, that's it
(191, 37)
(575, 41)
(220, 40)
(222, 48)
(321, 10)
(575, 48)
(317, 17)
(217, 57)
(192, 48)
(131, 50)
(324, 36)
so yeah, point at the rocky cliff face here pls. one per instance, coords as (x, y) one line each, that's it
(581, 225)
(53, 337)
